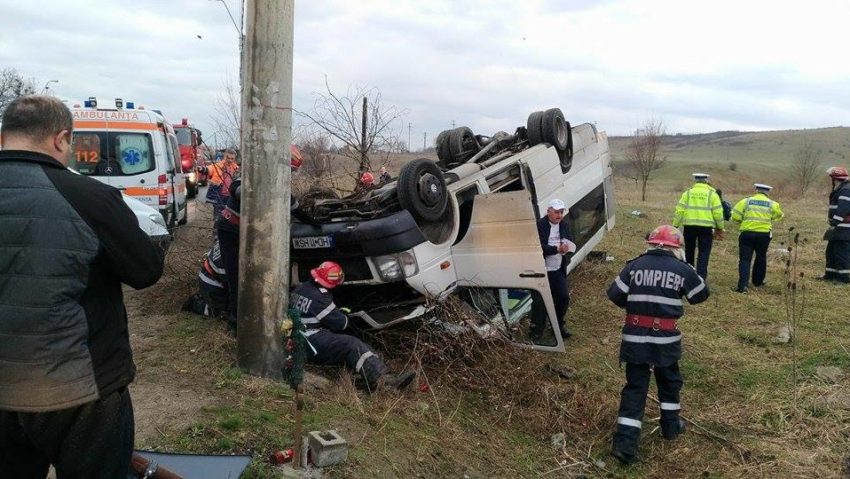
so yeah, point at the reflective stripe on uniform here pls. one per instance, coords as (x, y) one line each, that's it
(670, 406)
(363, 358)
(843, 225)
(625, 421)
(651, 298)
(696, 290)
(839, 271)
(699, 208)
(845, 198)
(326, 311)
(309, 320)
(837, 218)
(210, 281)
(623, 286)
(833, 207)
(698, 222)
(633, 338)
(216, 269)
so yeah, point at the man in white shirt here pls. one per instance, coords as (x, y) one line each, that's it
(556, 242)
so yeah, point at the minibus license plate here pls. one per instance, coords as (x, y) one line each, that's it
(313, 242)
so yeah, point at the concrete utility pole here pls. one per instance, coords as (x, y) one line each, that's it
(264, 232)
(424, 140)
(409, 146)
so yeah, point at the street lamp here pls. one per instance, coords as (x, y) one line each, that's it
(47, 86)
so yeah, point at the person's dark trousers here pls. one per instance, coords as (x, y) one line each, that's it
(334, 349)
(90, 441)
(633, 403)
(698, 237)
(560, 293)
(750, 242)
(228, 242)
(838, 261)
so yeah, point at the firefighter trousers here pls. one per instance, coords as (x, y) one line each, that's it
(229, 243)
(698, 237)
(750, 242)
(838, 261)
(333, 349)
(633, 403)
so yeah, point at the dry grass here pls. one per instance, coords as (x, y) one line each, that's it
(490, 409)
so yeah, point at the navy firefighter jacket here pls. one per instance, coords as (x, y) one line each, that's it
(317, 308)
(839, 211)
(653, 284)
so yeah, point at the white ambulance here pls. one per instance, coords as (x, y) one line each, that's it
(134, 150)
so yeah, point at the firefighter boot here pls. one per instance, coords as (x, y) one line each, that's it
(398, 381)
(672, 429)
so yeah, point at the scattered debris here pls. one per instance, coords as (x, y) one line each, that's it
(327, 448)
(597, 256)
(783, 335)
(559, 440)
(563, 372)
(638, 214)
(600, 464)
(609, 259)
(829, 373)
(605, 340)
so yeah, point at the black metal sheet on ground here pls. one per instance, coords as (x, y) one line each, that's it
(196, 466)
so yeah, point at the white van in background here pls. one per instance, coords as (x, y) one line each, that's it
(134, 150)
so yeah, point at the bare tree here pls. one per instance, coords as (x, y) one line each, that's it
(644, 153)
(227, 120)
(806, 167)
(13, 85)
(359, 120)
(315, 147)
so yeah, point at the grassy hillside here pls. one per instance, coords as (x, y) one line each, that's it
(770, 151)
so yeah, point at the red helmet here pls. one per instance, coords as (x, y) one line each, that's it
(328, 274)
(838, 173)
(665, 235)
(367, 178)
(296, 160)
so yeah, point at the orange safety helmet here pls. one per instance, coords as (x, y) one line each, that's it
(296, 160)
(367, 179)
(838, 173)
(328, 274)
(665, 235)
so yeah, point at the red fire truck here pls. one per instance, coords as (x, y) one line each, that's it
(189, 141)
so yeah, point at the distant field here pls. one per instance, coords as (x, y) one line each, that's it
(767, 154)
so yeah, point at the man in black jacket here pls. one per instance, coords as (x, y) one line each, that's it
(67, 243)
(650, 288)
(556, 242)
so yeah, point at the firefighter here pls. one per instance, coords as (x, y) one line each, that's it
(367, 179)
(651, 288)
(756, 215)
(325, 325)
(838, 234)
(227, 228)
(211, 298)
(700, 211)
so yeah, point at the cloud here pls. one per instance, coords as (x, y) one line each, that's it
(698, 67)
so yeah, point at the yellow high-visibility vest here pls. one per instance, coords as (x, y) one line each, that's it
(757, 213)
(699, 206)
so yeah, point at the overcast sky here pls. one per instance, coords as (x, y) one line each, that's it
(698, 66)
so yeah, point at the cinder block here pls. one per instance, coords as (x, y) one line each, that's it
(328, 448)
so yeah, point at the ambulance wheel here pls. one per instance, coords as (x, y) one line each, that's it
(533, 126)
(422, 190)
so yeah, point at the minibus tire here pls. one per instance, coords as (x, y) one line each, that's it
(422, 190)
(534, 130)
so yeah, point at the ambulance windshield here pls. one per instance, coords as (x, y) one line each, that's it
(102, 153)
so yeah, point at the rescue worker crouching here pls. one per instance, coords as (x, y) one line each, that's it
(651, 288)
(211, 298)
(700, 211)
(756, 215)
(325, 324)
(838, 234)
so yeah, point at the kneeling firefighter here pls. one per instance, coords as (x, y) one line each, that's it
(651, 288)
(212, 296)
(325, 323)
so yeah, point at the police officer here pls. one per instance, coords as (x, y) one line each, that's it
(700, 211)
(838, 235)
(211, 298)
(756, 215)
(651, 288)
(325, 324)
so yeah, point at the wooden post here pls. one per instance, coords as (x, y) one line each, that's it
(299, 408)
(264, 229)
(363, 157)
